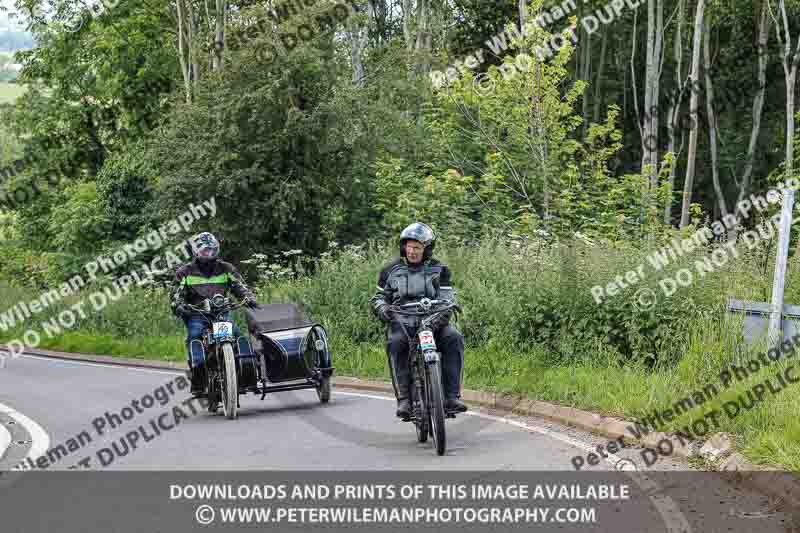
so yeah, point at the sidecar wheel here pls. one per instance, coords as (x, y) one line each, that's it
(324, 389)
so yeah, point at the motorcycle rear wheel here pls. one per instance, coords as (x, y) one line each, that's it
(230, 390)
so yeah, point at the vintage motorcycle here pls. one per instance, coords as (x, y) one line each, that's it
(218, 346)
(427, 391)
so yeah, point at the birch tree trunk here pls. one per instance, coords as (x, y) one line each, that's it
(675, 107)
(695, 75)
(790, 65)
(183, 45)
(648, 104)
(655, 36)
(758, 101)
(418, 34)
(219, 34)
(359, 37)
(712, 120)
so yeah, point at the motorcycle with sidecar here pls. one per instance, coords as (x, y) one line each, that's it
(283, 351)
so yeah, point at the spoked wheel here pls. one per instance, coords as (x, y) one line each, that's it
(230, 387)
(420, 411)
(436, 406)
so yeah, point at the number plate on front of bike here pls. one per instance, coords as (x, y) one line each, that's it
(426, 341)
(222, 329)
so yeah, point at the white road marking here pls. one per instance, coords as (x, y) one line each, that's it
(40, 439)
(5, 440)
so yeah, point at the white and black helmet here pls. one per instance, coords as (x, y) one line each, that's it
(205, 247)
(418, 232)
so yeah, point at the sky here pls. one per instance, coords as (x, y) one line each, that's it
(4, 21)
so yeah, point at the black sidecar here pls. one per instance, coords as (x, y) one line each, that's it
(290, 352)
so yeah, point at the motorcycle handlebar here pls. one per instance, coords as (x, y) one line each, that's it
(229, 307)
(421, 309)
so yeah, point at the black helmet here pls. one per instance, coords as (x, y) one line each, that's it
(205, 248)
(418, 232)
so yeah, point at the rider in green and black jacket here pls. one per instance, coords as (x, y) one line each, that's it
(205, 277)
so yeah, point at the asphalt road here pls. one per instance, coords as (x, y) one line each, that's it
(49, 404)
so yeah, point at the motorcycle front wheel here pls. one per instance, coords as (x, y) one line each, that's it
(436, 406)
(230, 386)
(420, 408)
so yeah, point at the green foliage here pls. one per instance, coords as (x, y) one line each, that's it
(80, 223)
(125, 189)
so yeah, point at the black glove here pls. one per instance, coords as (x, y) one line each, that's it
(251, 302)
(384, 313)
(182, 311)
(439, 321)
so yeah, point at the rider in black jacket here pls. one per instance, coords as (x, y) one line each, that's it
(413, 276)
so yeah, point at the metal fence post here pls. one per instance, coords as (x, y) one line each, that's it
(781, 258)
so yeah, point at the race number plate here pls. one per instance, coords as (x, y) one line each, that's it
(426, 340)
(222, 329)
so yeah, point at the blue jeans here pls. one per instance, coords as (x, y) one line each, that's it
(196, 324)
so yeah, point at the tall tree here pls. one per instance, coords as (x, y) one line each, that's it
(790, 64)
(688, 184)
(673, 112)
(758, 100)
(712, 120)
(655, 38)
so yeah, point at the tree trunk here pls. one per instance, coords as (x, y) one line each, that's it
(655, 31)
(183, 53)
(712, 120)
(418, 34)
(585, 75)
(598, 84)
(695, 76)
(649, 106)
(758, 101)
(675, 108)
(359, 37)
(219, 34)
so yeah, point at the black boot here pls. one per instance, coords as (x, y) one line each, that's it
(454, 404)
(198, 378)
(404, 408)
